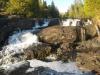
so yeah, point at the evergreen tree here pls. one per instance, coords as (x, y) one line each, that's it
(53, 11)
(45, 10)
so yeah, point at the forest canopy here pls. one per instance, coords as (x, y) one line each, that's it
(29, 8)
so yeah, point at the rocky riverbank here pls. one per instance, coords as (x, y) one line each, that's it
(85, 53)
(57, 46)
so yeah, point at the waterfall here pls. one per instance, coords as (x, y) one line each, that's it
(22, 40)
(70, 22)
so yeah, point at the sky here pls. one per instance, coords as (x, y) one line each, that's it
(62, 5)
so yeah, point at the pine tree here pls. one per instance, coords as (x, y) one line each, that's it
(45, 10)
(53, 11)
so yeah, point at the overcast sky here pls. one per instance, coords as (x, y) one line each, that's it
(62, 5)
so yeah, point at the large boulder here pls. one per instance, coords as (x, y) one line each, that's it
(58, 34)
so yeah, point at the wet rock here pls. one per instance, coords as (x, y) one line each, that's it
(54, 22)
(12, 58)
(66, 52)
(43, 71)
(39, 51)
(15, 69)
(2, 71)
(48, 71)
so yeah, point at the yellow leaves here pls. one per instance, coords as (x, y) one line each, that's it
(92, 7)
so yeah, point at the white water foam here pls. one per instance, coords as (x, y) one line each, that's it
(70, 22)
(58, 66)
(20, 41)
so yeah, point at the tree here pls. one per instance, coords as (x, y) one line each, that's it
(3, 4)
(89, 7)
(26, 8)
(76, 10)
(53, 11)
(44, 10)
(30, 8)
(92, 8)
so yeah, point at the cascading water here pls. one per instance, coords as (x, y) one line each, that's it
(70, 22)
(21, 40)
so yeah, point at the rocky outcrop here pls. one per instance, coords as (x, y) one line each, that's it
(88, 55)
(39, 51)
(85, 53)
(63, 41)
(89, 61)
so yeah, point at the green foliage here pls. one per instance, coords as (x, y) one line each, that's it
(3, 3)
(29, 8)
(89, 7)
(44, 10)
(49, 11)
(53, 11)
(92, 8)
(76, 11)
(23, 7)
